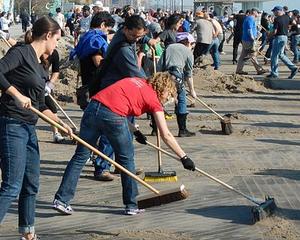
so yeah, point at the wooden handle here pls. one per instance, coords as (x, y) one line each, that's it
(7, 43)
(96, 151)
(206, 174)
(154, 59)
(208, 107)
(158, 152)
(61, 109)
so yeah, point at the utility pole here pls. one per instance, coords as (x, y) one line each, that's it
(29, 6)
(181, 5)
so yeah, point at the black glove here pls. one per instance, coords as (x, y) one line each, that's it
(139, 137)
(188, 163)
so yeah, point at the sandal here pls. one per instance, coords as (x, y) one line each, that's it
(35, 237)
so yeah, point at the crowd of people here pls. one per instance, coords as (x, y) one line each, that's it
(131, 63)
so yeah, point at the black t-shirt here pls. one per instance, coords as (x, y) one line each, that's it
(281, 24)
(295, 29)
(168, 37)
(20, 68)
(238, 28)
(54, 61)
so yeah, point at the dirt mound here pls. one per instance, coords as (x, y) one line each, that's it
(280, 228)
(145, 235)
(216, 81)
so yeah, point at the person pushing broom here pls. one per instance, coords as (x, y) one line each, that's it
(107, 114)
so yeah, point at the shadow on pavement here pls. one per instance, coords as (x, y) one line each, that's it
(276, 124)
(285, 173)
(237, 214)
(281, 142)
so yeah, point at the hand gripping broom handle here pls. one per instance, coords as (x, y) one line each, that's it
(96, 151)
(61, 109)
(206, 174)
(208, 107)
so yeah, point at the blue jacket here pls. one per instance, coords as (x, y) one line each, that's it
(90, 43)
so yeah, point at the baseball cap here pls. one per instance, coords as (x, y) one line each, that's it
(183, 36)
(277, 8)
(86, 8)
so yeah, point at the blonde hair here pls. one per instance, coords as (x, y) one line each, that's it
(162, 82)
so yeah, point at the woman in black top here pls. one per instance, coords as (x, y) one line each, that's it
(22, 86)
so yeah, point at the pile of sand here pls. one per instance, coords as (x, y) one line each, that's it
(216, 81)
(140, 234)
(280, 228)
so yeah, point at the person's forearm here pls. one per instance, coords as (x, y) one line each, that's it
(54, 77)
(166, 135)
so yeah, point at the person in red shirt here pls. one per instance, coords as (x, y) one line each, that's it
(107, 114)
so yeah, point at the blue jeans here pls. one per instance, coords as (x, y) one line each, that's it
(105, 147)
(20, 165)
(98, 120)
(180, 107)
(295, 40)
(279, 43)
(214, 51)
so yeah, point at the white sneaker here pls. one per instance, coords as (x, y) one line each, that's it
(134, 211)
(58, 138)
(62, 207)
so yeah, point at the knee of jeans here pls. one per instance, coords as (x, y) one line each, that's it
(10, 190)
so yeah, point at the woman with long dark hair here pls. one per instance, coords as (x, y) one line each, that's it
(22, 86)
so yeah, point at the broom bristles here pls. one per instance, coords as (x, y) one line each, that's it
(164, 197)
(163, 176)
(160, 179)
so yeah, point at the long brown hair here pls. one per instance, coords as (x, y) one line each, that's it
(41, 27)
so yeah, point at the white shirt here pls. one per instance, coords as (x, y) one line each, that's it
(60, 19)
(4, 23)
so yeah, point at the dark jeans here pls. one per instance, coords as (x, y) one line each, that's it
(295, 40)
(20, 165)
(200, 49)
(99, 120)
(236, 43)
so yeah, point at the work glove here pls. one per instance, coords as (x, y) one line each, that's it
(188, 163)
(48, 88)
(139, 137)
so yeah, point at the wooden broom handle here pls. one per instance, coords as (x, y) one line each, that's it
(208, 107)
(7, 43)
(61, 109)
(206, 174)
(96, 151)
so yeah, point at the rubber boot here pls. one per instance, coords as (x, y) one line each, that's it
(181, 121)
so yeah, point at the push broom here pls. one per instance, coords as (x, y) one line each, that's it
(262, 209)
(160, 175)
(225, 120)
(156, 199)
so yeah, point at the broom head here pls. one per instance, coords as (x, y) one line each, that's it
(163, 176)
(265, 209)
(226, 125)
(164, 197)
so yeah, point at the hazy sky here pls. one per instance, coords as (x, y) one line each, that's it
(292, 4)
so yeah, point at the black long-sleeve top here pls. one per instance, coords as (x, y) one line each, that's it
(20, 68)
